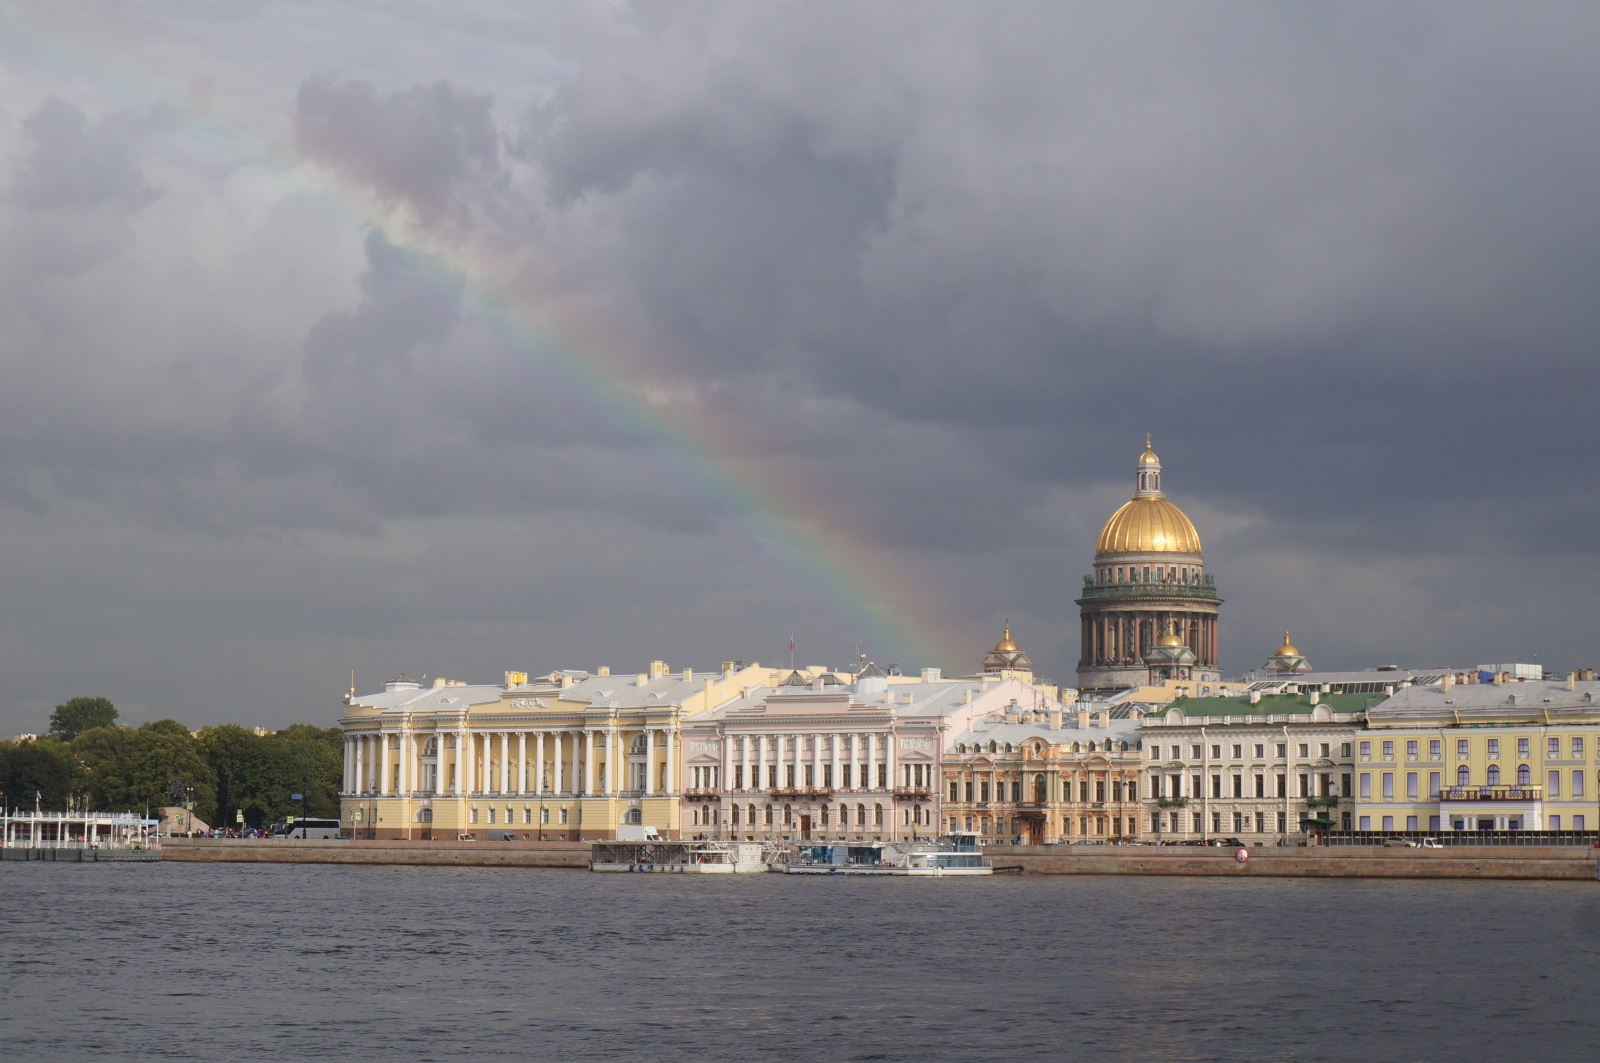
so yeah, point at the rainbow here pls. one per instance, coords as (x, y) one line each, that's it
(870, 593)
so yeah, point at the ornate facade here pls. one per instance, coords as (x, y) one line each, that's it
(1149, 581)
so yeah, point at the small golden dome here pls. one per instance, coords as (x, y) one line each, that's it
(1005, 645)
(1149, 456)
(1171, 640)
(1287, 649)
(1148, 526)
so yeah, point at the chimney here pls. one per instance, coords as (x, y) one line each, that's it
(1572, 678)
(688, 674)
(968, 698)
(658, 669)
(1588, 675)
(566, 680)
(603, 670)
(1103, 720)
(1315, 696)
(640, 680)
(1055, 718)
(1083, 719)
(931, 675)
(1447, 682)
(1255, 697)
(1388, 690)
(1499, 679)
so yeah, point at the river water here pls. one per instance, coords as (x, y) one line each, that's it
(280, 962)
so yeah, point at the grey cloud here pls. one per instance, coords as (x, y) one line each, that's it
(423, 147)
(69, 163)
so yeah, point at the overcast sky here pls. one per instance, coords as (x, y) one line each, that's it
(458, 337)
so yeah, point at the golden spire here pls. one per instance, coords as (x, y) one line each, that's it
(352, 682)
(1005, 645)
(1287, 649)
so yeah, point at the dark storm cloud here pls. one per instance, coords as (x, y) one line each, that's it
(935, 269)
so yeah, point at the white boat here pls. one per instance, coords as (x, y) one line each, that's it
(678, 857)
(953, 854)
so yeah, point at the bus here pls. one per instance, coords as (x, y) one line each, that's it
(305, 829)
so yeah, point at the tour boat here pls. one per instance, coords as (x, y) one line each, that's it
(953, 854)
(678, 857)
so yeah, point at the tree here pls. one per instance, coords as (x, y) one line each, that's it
(257, 775)
(141, 773)
(46, 768)
(74, 717)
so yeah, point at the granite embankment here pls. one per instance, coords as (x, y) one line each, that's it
(1532, 862)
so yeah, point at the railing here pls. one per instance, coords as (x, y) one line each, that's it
(1325, 801)
(801, 791)
(1205, 591)
(702, 793)
(922, 793)
(1491, 793)
(1171, 802)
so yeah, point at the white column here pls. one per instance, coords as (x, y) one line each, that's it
(891, 755)
(816, 760)
(405, 763)
(744, 763)
(588, 761)
(349, 767)
(361, 764)
(383, 762)
(725, 782)
(468, 773)
(555, 741)
(538, 762)
(834, 742)
(522, 762)
(761, 762)
(505, 762)
(672, 761)
(649, 761)
(613, 760)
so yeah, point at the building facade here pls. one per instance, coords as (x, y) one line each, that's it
(1043, 777)
(1149, 581)
(1260, 768)
(1505, 755)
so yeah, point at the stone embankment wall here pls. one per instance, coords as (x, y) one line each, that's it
(1533, 862)
(442, 854)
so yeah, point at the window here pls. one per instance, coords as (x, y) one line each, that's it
(1555, 822)
(1411, 749)
(1433, 822)
(1433, 785)
(1365, 822)
(1155, 752)
(1522, 748)
(472, 816)
(1216, 786)
(1283, 750)
(1494, 775)
(1238, 786)
(1554, 782)
(1577, 783)
(1388, 750)
(1577, 822)
(1344, 750)
(544, 817)
(1388, 787)
(1283, 821)
(1261, 786)
(1461, 747)
(1366, 750)
(1261, 750)
(491, 813)
(562, 817)
(1433, 749)
(1283, 785)
(1305, 785)
(734, 819)
(1196, 753)
(877, 816)
(1366, 786)
(1324, 748)
(983, 792)
(1305, 750)
(953, 791)
(1345, 790)
(1552, 747)
(1411, 786)
(1494, 747)
(1388, 823)
(1577, 749)
(1238, 751)
(1463, 778)
(1216, 752)
(1216, 822)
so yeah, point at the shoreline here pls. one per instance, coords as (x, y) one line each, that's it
(1548, 863)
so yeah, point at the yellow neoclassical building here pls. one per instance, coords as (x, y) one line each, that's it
(569, 755)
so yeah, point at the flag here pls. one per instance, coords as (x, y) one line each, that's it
(37, 797)
(791, 643)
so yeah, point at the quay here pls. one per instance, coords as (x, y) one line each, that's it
(1563, 863)
(79, 837)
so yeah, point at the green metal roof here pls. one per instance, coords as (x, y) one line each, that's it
(1269, 705)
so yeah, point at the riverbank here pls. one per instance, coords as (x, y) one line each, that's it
(1533, 862)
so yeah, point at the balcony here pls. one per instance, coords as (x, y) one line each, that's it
(914, 793)
(702, 794)
(1206, 590)
(801, 791)
(1325, 801)
(1492, 793)
(1171, 802)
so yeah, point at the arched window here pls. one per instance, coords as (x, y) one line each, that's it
(1039, 793)
(1463, 777)
(1008, 747)
(735, 820)
(993, 745)
(788, 815)
(1494, 775)
(1522, 775)
(769, 815)
(633, 816)
(877, 815)
(861, 815)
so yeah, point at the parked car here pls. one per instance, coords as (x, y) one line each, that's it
(1430, 843)
(1400, 843)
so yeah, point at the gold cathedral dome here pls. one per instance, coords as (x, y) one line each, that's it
(1287, 649)
(1147, 523)
(1005, 645)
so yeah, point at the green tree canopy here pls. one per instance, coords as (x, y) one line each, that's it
(74, 717)
(46, 768)
(151, 760)
(256, 774)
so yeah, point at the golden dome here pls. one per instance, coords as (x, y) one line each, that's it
(1149, 456)
(1171, 640)
(1005, 645)
(1287, 649)
(1148, 526)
